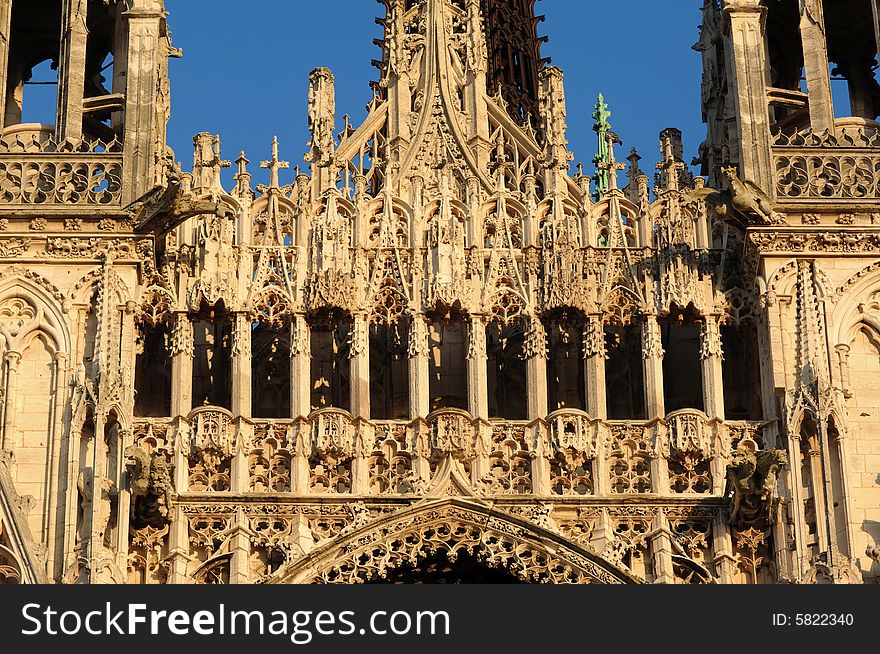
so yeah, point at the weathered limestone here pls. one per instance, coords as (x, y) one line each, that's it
(435, 326)
(745, 30)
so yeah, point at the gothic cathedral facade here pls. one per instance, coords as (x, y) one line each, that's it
(440, 354)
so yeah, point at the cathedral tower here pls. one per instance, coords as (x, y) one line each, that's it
(791, 98)
(436, 350)
(107, 63)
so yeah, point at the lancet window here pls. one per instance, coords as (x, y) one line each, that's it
(682, 369)
(330, 370)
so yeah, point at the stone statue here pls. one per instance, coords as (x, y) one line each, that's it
(751, 482)
(137, 465)
(101, 515)
(151, 487)
(161, 484)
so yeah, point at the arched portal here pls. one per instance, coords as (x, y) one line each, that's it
(442, 567)
(454, 539)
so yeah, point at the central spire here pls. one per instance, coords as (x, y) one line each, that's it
(461, 92)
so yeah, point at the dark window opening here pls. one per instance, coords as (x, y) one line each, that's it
(447, 366)
(624, 372)
(682, 367)
(102, 112)
(330, 364)
(741, 372)
(270, 371)
(840, 97)
(852, 51)
(212, 340)
(786, 61)
(506, 367)
(389, 371)
(32, 71)
(152, 372)
(566, 387)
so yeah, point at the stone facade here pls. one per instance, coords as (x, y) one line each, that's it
(438, 354)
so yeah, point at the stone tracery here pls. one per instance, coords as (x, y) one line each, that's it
(436, 318)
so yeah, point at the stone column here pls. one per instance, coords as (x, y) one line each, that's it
(796, 504)
(819, 503)
(747, 66)
(240, 546)
(182, 352)
(61, 389)
(711, 357)
(594, 367)
(722, 544)
(300, 368)
(72, 69)
(661, 551)
(241, 365)
(477, 377)
(11, 360)
(299, 464)
(602, 536)
(419, 374)
(98, 472)
(5, 28)
(123, 503)
(821, 103)
(146, 60)
(359, 380)
(652, 352)
(178, 530)
(601, 474)
(659, 464)
(843, 363)
(535, 351)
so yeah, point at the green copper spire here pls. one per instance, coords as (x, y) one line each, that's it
(603, 157)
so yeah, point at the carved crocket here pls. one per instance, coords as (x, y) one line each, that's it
(751, 481)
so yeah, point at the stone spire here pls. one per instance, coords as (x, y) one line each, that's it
(602, 127)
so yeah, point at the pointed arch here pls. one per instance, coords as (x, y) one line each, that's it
(453, 525)
(80, 292)
(620, 305)
(48, 316)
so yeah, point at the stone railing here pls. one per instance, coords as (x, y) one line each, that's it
(817, 167)
(331, 453)
(35, 169)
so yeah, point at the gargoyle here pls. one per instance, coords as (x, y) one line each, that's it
(748, 200)
(151, 488)
(751, 482)
(164, 207)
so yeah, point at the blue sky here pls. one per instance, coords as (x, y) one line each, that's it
(245, 70)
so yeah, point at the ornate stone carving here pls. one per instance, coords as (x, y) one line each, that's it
(150, 485)
(751, 484)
